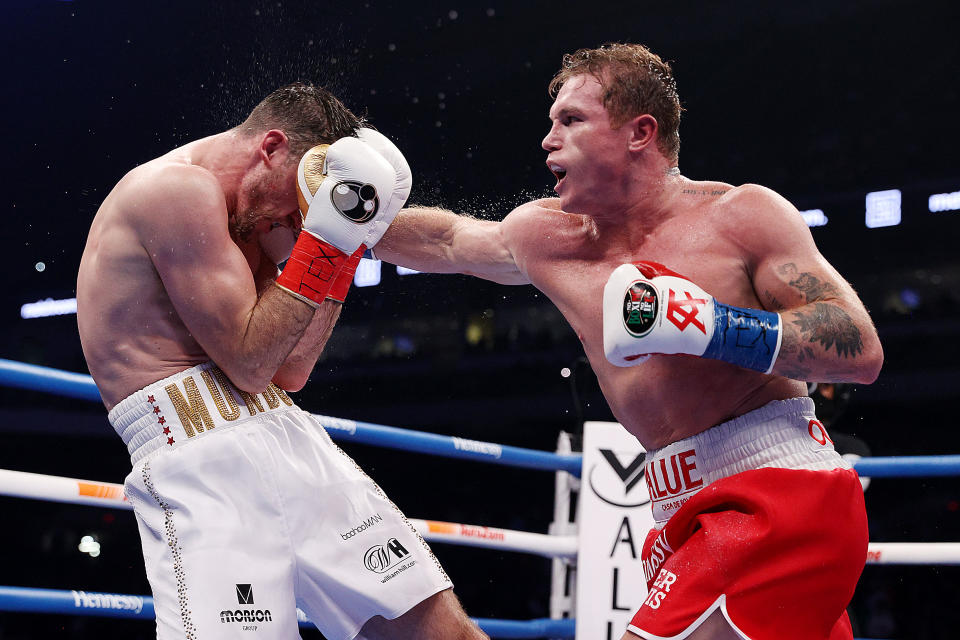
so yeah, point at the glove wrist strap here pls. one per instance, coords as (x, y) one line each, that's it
(312, 269)
(749, 338)
(343, 280)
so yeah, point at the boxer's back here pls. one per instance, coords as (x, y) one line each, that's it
(668, 397)
(130, 332)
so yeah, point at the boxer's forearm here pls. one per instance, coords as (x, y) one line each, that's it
(439, 241)
(828, 341)
(263, 339)
(295, 370)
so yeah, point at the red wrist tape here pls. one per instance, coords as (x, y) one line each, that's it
(312, 269)
(344, 279)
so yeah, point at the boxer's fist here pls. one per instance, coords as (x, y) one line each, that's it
(649, 309)
(346, 193)
(636, 301)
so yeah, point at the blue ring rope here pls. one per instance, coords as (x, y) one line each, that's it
(115, 605)
(76, 385)
(29, 600)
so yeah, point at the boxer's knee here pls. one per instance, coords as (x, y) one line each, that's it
(715, 627)
(439, 617)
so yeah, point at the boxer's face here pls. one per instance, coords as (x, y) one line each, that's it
(267, 198)
(587, 156)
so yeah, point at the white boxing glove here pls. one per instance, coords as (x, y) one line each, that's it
(345, 191)
(647, 309)
(404, 178)
(347, 188)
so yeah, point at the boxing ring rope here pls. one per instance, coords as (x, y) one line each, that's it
(118, 605)
(70, 490)
(75, 385)
(20, 484)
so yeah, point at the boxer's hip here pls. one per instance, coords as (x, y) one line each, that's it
(187, 406)
(781, 434)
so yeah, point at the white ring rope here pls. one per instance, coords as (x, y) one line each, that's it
(19, 484)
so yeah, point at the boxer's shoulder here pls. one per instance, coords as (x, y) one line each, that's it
(753, 204)
(529, 225)
(164, 192)
(534, 214)
(534, 211)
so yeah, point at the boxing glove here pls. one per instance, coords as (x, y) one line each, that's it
(403, 181)
(346, 196)
(647, 309)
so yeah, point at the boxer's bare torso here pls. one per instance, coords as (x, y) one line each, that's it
(569, 257)
(746, 246)
(170, 214)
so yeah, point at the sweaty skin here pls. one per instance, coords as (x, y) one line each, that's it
(745, 245)
(173, 274)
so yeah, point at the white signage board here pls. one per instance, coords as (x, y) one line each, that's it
(614, 519)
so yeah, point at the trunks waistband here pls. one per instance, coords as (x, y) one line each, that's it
(176, 410)
(782, 434)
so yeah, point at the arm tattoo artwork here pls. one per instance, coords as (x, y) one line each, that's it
(826, 324)
(831, 327)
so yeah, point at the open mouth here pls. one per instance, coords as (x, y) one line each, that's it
(559, 172)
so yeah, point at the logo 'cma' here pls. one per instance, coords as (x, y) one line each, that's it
(601, 480)
(356, 201)
(383, 556)
(192, 409)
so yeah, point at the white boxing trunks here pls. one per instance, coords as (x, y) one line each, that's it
(247, 510)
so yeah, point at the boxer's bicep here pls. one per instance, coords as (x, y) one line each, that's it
(204, 273)
(482, 248)
(827, 333)
(785, 266)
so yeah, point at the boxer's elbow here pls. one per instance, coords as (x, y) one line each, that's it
(871, 361)
(248, 378)
(291, 380)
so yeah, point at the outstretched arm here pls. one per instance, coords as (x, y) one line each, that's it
(439, 241)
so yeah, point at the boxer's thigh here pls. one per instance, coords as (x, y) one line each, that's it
(357, 555)
(218, 559)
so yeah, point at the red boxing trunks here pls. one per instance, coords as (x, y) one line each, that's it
(778, 549)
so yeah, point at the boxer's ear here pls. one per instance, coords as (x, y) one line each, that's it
(643, 132)
(274, 146)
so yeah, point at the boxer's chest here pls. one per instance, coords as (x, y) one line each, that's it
(572, 270)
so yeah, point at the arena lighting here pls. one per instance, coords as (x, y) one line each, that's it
(814, 217)
(89, 545)
(883, 208)
(403, 271)
(944, 202)
(368, 273)
(48, 307)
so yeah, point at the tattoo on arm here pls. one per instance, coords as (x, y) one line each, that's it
(830, 326)
(812, 287)
(772, 301)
